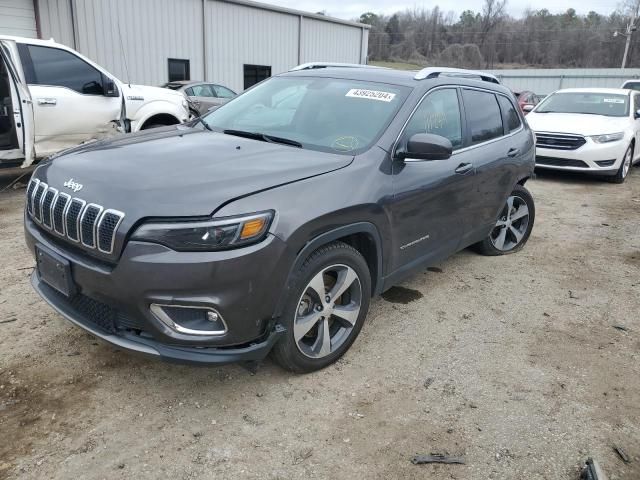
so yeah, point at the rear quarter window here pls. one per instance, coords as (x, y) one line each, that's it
(511, 117)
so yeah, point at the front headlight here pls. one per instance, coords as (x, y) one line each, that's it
(208, 235)
(609, 137)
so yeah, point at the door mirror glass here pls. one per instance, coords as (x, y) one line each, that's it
(427, 146)
(109, 88)
(527, 107)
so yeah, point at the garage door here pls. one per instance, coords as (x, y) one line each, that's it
(17, 18)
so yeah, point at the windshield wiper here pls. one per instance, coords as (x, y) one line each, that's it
(263, 137)
(206, 125)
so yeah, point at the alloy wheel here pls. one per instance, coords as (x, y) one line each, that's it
(626, 162)
(327, 311)
(512, 224)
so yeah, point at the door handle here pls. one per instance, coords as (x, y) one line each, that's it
(47, 101)
(513, 152)
(464, 168)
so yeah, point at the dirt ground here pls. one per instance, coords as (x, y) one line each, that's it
(514, 363)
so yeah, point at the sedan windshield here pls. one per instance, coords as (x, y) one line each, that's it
(326, 114)
(610, 105)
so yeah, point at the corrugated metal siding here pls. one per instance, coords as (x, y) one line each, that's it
(152, 31)
(238, 35)
(545, 81)
(17, 18)
(55, 21)
(324, 41)
(141, 35)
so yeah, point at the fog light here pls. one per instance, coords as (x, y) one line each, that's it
(190, 320)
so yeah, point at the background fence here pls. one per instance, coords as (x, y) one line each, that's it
(545, 81)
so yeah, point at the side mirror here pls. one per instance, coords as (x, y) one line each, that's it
(426, 146)
(527, 107)
(636, 115)
(109, 88)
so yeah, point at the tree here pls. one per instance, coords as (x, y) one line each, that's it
(393, 30)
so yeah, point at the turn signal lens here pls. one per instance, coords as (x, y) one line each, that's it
(252, 228)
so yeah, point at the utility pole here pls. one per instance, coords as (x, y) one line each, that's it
(628, 32)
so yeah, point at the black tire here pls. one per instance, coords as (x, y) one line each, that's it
(621, 174)
(286, 352)
(152, 125)
(487, 246)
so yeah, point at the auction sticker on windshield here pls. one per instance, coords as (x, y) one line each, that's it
(370, 94)
(613, 100)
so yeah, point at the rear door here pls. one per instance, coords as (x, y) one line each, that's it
(16, 113)
(498, 142)
(70, 105)
(203, 97)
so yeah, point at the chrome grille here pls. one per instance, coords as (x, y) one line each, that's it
(47, 202)
(37, 201)
(89, 224)
(557, 141)
(31, 189)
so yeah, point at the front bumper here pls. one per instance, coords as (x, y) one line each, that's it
(600, 159)
(113, 301)
(132, 342)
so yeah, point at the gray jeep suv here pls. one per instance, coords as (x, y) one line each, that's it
(267, 225)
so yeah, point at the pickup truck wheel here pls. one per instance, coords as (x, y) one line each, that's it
(325, 310)
(513, 227)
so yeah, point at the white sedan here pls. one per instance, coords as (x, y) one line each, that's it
(592, 130)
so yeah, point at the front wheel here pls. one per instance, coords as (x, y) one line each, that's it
(625, 166)
(325, 309)
(513, 227)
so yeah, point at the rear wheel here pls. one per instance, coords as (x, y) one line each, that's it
(625, 166)
(325, 309)
(513, 227)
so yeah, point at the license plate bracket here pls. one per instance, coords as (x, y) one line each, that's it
(55, 271)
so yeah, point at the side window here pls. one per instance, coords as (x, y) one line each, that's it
(439, 114)
(511, 116)
(189, 92)
(52, 66)
(636, 103)
(223, 92)
(632, 85)
(202, 91)
(483, 115)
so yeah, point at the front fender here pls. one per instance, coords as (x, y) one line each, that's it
(157, 107)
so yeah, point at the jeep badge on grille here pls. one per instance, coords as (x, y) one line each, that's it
(75, 186)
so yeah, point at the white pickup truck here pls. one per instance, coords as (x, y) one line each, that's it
(52, 98)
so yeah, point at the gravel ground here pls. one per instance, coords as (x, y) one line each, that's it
(514, 363)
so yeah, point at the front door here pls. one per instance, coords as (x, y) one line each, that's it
(16, 115)
(70, 101)
(431, 197)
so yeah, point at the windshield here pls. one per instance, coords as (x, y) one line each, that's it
(326, 114)
(610, 105)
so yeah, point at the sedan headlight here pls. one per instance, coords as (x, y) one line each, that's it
(208, 235)
(608, 137)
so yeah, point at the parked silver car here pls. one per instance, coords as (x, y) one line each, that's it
(202, 95)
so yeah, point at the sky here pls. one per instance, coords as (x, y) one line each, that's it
(352, 9)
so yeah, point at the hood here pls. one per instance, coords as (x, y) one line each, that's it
(151, 94)
(578, 124)
(180, 171)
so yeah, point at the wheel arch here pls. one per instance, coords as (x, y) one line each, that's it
(161, 119)
(363, 236)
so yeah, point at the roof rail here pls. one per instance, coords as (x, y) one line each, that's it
(435, 72)
(315, 65)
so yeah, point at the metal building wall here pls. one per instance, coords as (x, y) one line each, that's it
(17, 17)
(146, 33)
(239, 34)
(545, 81)
(324, 41)
(55, 21)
